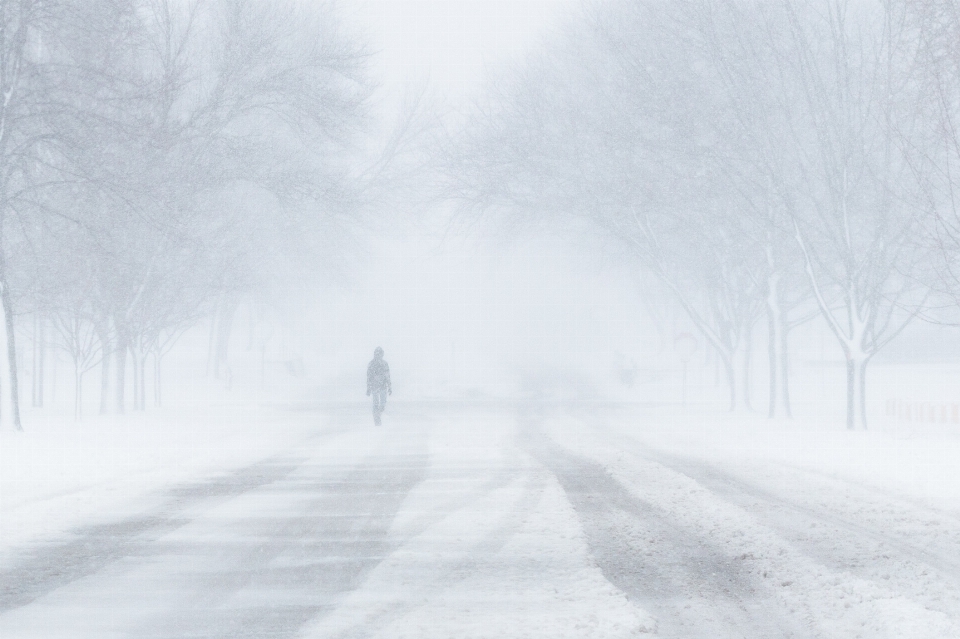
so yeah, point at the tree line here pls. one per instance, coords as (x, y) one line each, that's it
(769, 161)
(158, 158)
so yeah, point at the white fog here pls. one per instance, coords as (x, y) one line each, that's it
(479, 319)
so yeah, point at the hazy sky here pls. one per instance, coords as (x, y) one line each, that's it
(451, 42)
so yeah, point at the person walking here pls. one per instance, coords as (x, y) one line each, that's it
(378, 383)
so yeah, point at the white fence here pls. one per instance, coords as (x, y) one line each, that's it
(923, 412)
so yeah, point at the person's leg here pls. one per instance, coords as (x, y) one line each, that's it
(381, 402)
(375, 397)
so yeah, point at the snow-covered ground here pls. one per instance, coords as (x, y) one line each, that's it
(482, 520)
(60, 473)
(841, 534)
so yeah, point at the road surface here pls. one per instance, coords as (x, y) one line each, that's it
(453, 521)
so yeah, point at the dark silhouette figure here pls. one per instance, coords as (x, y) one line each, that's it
(378, 383)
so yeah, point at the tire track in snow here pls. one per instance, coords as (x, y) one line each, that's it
(877, 548)
(754, 498)
(749, 495)
(692, 587)
(45, 569)
(918, 572)
(456, 569)
(296, 567)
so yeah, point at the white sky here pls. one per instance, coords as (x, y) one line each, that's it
(452, 42)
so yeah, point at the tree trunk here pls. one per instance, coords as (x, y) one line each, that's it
(121, 376)
(136, 377)
(728, 367)
(39, 351)
(747, 361)
(856, 391)
(863, 392)
(11, 346)
(106, 343)
(224, 329)
(851, 385)
(211, 340)
(42, 360)
(77, 389)
(785, 368)
(263, 365)
(774, 342)
(53, 379)
(143, 381)
(156, 380)
(773, 347)
(33, 362)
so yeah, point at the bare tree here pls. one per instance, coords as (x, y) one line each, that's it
(43, 89)
(854, 217)
(190, 111)
(21, 133)
(938, 153)
(78, 337)
(759, 157)
(738, 42)
(38, 353)
(606, 131)
(161, 346)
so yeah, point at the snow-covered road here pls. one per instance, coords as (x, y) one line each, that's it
(496, 521)
(692, 585)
